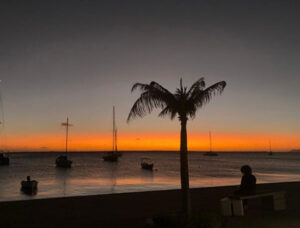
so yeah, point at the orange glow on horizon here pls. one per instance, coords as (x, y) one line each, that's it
(154, 141)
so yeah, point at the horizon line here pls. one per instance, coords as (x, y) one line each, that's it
(128, 151)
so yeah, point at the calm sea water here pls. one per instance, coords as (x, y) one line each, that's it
(91, 175)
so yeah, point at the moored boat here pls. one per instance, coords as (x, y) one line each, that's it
(62, 161)
(210, 153)
(270, 148)
(113, 155)
(29, 186)
(4, 160)
(147, 164)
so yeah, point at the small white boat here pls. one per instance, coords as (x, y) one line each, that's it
(29, 186)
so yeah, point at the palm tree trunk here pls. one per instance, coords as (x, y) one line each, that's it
(184, 169)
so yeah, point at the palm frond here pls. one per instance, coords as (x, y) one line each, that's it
(201, 97)
(142, 87)
(199, 84)
(154, 96)
(183, 102)
(170, 111)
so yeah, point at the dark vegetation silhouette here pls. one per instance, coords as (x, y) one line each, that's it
(184, 104)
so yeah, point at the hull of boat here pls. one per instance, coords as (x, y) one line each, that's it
(210, 154)
(29, 187)
(112, 157)
(147, 166)
(63, 162)
(119, 154)
(4, 161)
(29, 184)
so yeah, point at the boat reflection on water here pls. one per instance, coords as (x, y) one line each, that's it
(113, 172)
(62, 177)
(147, 177)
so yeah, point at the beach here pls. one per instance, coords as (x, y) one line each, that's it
(132, 209)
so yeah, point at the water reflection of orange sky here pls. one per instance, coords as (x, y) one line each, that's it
(154, 141)
(172, 181)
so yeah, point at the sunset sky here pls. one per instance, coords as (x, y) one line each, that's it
(79, 58)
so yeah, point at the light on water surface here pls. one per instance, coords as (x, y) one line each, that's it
(91, 175)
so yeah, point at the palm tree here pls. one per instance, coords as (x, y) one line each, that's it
(184, 104)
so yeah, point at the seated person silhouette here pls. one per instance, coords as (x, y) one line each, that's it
(248, 182)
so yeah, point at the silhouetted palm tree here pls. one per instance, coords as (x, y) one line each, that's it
(184, 104)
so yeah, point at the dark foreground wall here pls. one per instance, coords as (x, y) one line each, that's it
(119, 210)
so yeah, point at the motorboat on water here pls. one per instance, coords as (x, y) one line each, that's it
(147, 164)
(29, 186)
(4, 160)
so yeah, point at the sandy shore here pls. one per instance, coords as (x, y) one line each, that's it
(121, 210)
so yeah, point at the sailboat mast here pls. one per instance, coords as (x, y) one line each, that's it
(1, 106)
(2, 118)
(210, 146)
(113, 139)
(116, 144)
(67, 134)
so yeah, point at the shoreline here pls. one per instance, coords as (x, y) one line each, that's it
(122, 209)
(135, 192)
(154, 151)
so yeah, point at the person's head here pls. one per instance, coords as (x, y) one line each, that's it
(246, 170)
(28, 178)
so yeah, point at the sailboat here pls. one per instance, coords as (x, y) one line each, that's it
(210, 153)
(270, 148)
(113, 155)
(63, 161)
(4, 159)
